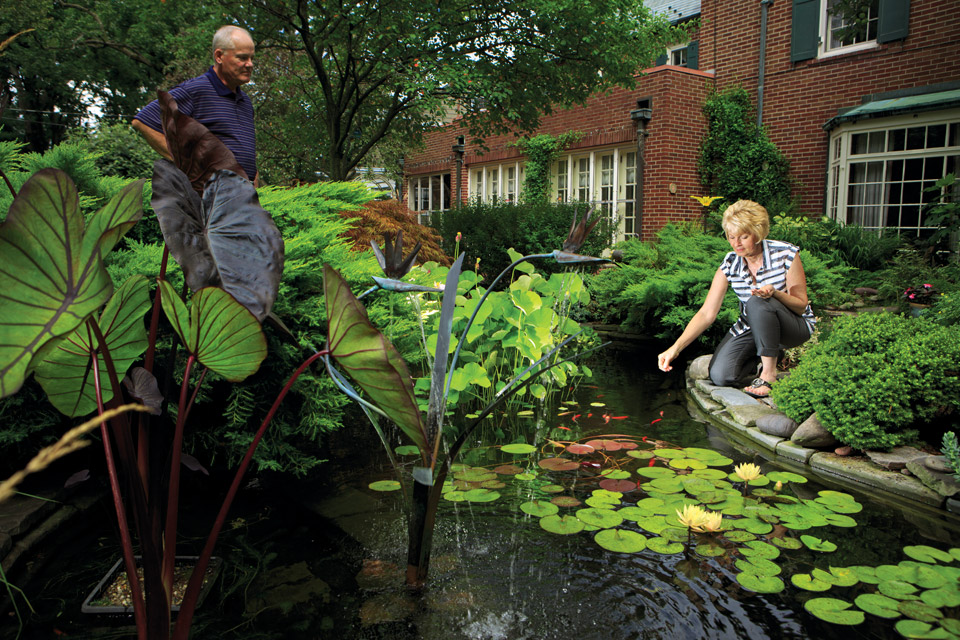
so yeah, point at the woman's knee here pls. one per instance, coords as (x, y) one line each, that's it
(756, 304)
(722, 372)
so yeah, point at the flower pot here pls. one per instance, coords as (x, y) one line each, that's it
(104, 598)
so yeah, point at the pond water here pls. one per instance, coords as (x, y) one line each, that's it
(495, 573)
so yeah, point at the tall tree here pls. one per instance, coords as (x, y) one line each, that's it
(361, 70)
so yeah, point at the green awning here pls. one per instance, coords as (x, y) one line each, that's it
(897, 106)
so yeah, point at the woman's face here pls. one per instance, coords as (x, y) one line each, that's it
(743, 243)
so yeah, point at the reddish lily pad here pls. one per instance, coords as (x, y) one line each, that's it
(605, 445)
(566, 501)
(558, 464)
(508, 470)
(552, 488)
(580, 449)
(492, 484)
(623, 486)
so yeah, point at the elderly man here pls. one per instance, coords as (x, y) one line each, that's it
(215, 100)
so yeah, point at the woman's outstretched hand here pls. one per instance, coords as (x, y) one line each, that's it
(665, 358)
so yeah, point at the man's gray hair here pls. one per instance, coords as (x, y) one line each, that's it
(223, 38)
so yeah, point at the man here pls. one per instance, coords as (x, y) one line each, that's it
(215, 100)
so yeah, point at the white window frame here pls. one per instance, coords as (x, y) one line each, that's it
(419, 192)
(839, 193)
(679, 51)
(826, 50)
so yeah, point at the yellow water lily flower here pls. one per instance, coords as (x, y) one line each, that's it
(778, 487)
(691, 516)
(706, 200)
(712, 522)
(747, 471)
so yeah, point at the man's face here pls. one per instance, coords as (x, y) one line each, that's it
(235, 65)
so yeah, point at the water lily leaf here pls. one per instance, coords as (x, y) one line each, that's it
(786, 476)
(759, 549)
(605, 445)
(917, 629)
(518, 448)
(580, 449)
(64, 370)
(615, 474)
(620, 486)
(840, 576)
(455, 496)
(955, 552)
(840, 506)
(653, 524)
(888, 572)
(687, 463)
(664, 546)
(760, 583)
(669, 454)
(526, 475)
(816, 544)
(226, 239)
(218, 331)
(384, 485)
(406, 450)
(700, 454)
(787, 542)
(921, 575)
(753, 526)
(371, 360)
(834, 610)
(708, 474)
(942, 597)
(739, 536)
(710, 549)
(602, 518)
(608, 495)
(634, 514)
(656, 472)
(918, 610)
(928, 554)
(558, 464)
(878, 605)
(898, 589)
(539, 508)
(808, 582)
(839, 520)
(718, 461)
(866, 574)
(566, 501)
(676, 534)
(552, 488)
(641, 454)
(762, 493)
(761, 566)
(511, 470)
(952, 625)
(562, 525)
(52, 277)
(952, 574)
(475, 474)
(621, 540)
(601, 503)
(666, 485)
(481, 495)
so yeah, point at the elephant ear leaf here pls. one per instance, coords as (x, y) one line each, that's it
(224, 240)
(195, 150)
(51, 273)
(65, 371)
(370, 359)
(217, 330)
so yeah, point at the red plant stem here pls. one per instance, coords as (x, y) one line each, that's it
(189, 604)
(126, 543)
(143, 441)
(173, 492)
(9, 186)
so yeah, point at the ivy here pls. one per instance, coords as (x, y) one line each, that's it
(541, 151)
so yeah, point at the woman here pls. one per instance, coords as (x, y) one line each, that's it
(768, 278)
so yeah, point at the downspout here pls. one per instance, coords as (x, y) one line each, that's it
(764, 8)
(458, 150)
(640, 116)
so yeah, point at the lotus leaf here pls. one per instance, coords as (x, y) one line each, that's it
(566, 501)
(621, 540)
(922, 575)
(558, 464)
(384, 485)
(878, 605)
(917, 629)
(662, 545)
(739, 536)
(407, 450)
(928, 554)
(808, 582)
(759, 549)
(656, 472)
(834, 610)
(786, 542)
(942, 597)
(919, 610)
(898, 589)
(760, 566)
(563, 525)
(551, 488)
(602, 518)
(710, 549)
(760, 583)
(816, 544)
(518, 448)
(539, 508)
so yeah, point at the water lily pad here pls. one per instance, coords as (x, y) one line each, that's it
(955, 552)
(407, 450)
(687, 463)
(644, 454)
(539, 508)
(816, 544)
(566, 501)
(917, 629)
(942, 597)
(919, 610)
(739, 536)
(492, 484)
(598, 404)
(634, 513)
(921, 575)
(559, 464)
(898, 589)
(712, 497)
(669, 454)
(866, 574)
(760, 583)
(786, 476)
(615, 474)
(526, 475)
(653, 524)
(952, 625)
(888, 572)
(839, 505)
(762, 493)
(787, 542)
(754, 526)
(650, 503)
(620, 486)
(808, 582)
(877, 604)
(601, 503)
(475, 474)
(840, 576)
(759, 549)
(760, 566)
(562, 525)
(928, 554)
(675, 533)
(519, 448)
(710, 549)
(662, 545)
(481, 495)
(834, 610)
(666, 485)
(605, 445)
(708, 474)
(508, 470)
(621, 540)
(455, 496)
(839, 520)
(552, 488)
(655, 472)
(580, 449)
(384, 485)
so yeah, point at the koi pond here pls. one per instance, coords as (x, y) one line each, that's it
(611, 515)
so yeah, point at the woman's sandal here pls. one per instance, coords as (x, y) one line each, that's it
(758, 384)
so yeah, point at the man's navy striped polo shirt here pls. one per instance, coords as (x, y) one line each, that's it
(228, 115)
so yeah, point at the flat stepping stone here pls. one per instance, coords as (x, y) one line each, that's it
(733, 397)
(895, 459)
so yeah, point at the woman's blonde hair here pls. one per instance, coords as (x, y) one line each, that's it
(746, 216)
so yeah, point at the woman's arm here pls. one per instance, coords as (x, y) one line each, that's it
(795, 297)
(699, 323)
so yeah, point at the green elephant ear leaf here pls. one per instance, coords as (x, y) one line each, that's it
(51, 275)
(834, 610)
(219, 331)
(65, 370)
(370, 359)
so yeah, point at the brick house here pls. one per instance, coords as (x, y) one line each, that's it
(867, 122)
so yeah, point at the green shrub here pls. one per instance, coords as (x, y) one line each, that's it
(878, 380)
(946, 311)
(911, 269)
(118, 150)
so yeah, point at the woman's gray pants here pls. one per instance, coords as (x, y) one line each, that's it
(772, 327)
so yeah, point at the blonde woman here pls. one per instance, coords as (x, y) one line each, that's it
(767, 277)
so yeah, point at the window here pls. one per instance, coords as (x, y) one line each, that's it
(562, 173)
(583, 179)
(879, 170)
(606, 184)
(493, 185)
(685, 55)
(628, 193)
(678, 56)
(831, 27)
(510, 191)
(429, 193)
(478, 185)
(841, 29)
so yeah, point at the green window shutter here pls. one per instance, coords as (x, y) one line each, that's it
(893, 19)
(805, 30)
(661, 60)
(693, 55)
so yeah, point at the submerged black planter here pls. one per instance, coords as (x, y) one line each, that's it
(99, 593)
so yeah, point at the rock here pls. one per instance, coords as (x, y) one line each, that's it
(865, 291)
(700, 367)
(749, 414)
(283, 587)
(845, 450)
(937, 463)
(943, 483)
(812, 434)
(895, 459)
(777, 424)
(732, 397)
